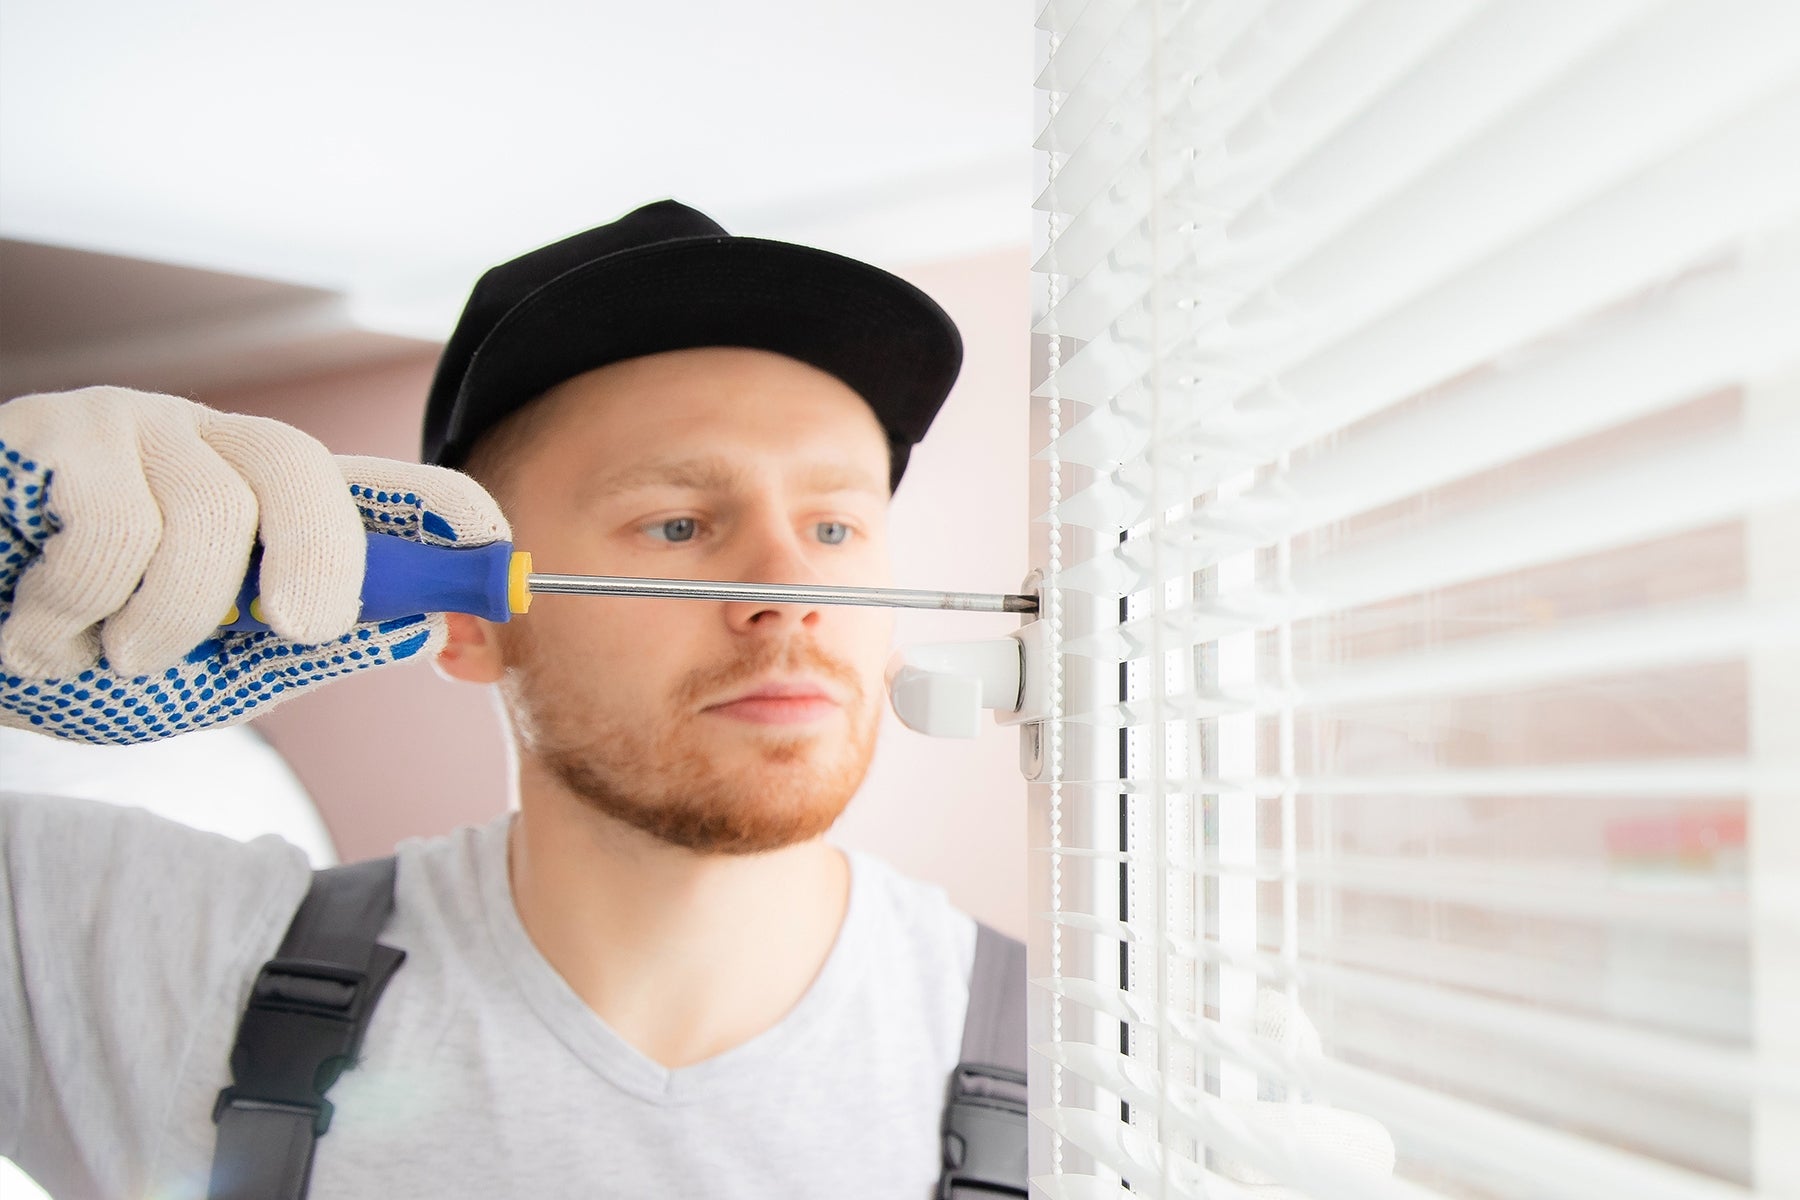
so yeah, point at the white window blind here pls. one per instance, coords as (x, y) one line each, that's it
(1419, 413)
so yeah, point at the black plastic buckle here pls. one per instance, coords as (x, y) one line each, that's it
(320, 1113)
(317, 989)
(984, 1132)
(305, 1013)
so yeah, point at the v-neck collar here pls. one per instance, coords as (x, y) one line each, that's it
(593, 1041)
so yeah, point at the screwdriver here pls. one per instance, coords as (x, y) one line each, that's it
(403, 578)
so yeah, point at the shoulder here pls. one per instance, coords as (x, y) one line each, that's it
(91, 845)
(137, 888)
(445, 888)
(127, 944)
(452, 873)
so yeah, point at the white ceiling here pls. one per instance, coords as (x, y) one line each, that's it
(385, 151)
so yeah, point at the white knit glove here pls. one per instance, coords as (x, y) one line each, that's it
(127, 521)
(1342, 1141)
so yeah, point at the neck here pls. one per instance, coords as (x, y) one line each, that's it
(684, 955)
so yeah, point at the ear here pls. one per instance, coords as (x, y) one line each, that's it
(471, 650)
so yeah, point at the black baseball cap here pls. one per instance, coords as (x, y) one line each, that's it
(666, 277)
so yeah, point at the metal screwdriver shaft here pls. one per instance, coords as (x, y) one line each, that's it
(403, 578)
(777, 593)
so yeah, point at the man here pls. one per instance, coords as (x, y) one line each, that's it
(655, 979)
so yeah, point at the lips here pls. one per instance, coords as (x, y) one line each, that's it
(779, 702)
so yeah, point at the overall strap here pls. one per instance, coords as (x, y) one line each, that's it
(985, 1113)
(307, 1013)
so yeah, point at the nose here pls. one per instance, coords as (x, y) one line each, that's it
(772, 554)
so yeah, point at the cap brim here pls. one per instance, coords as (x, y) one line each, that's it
(886, 339)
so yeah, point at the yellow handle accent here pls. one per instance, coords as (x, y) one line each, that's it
(518, 595)
(256, 610)
(230, 616)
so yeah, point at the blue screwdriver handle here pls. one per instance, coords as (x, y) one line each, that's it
(402, 578)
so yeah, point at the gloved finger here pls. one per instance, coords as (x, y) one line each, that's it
(1284, 1022)
(208, 529)
(313, 554)
(109, 527)
(432, 504)
(1272, 1191)
(1349, 1141)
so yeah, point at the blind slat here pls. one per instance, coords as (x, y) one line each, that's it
(1079, 42)
(1704, 334)
(1117, 1147)
(1653, 640)
(1385, 222)
(1295, 71)
(1663, 779)
(1688, 1008)
(1413, 112)
(1502, 1146)
(1206, 94)
(1704, 481)
(1432, 319)
(1266, 1138)
(1712, 912)
(1659, 639)
(1078, 1187)
(1058, 15)
(1692, 1066)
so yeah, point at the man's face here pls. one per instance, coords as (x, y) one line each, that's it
(726, 728)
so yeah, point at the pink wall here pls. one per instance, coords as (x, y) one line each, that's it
(395, 753)
(941, 809)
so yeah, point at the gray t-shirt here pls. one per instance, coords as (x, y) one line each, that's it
(127, 947)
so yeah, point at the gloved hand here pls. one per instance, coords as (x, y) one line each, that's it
(1350, 1142)
(127, 521)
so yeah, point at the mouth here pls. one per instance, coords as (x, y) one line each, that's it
(779, 702)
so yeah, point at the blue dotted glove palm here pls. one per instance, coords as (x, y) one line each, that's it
(127, 523)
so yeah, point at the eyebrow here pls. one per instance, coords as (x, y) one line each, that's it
(716, 474)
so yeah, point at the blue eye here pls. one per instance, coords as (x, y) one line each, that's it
(676, 529)
(833, 533)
